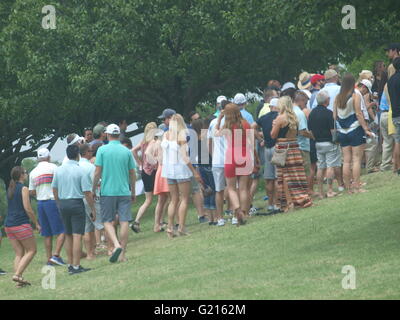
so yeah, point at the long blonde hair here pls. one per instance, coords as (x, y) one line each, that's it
(232, 116)
(177, 128)
(149, 132)
(286, 106)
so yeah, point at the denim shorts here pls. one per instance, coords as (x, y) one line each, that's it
(176, 181)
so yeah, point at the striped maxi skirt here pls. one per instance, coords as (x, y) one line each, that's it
(292, 179)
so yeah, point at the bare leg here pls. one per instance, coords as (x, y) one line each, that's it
(29, 246)
(232, 192)
(172, 207)
(59, 244)
(19, 253)
(124, 235)
(89, 241)
(357, 157)
(76, 249)
(48, 243)
(69, 248)
(347, 161)
(145, 206)
(162, 199)
(320, 177)
(184, 190)
(112, 236)
(244, 194)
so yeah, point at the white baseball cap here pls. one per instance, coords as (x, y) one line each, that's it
(288, 85)
(113, 129)
(239, 99)
(274, 102)
(307, 92)
(43, 153)
(368, 84)
(220, 99)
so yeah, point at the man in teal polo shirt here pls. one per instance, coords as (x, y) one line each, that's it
(70, 184)
(116, 169)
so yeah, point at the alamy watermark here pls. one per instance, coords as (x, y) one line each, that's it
(49, 280)
(49, 20)
(349, 281)
(349, 21)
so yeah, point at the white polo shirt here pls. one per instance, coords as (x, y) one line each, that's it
(40, 179)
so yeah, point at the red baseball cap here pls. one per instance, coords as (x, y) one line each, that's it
(316, 78)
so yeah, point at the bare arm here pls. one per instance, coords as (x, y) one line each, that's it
(359, 114)
(96, 179)
(27, 206)
(276, 125)
(136, 155)
(90, 200)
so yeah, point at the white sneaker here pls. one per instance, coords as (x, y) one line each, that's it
(234, 220)
(340, 189)
(221, 222)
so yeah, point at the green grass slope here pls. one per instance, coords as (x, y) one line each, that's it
(299, 255)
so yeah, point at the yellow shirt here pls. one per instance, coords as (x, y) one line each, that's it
(264, 110)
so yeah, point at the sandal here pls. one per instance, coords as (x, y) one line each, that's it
(135, 227)
(20, 281)
(115, 255)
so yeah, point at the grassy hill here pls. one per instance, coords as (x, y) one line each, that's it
(287, 256)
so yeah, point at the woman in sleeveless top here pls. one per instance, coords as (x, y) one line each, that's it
(239, 161)
(178, 170)
(161, 190)
(148, 171)
(352, 132)
(292, 179)
(17, 226)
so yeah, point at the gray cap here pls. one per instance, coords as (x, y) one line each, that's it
(167, 113)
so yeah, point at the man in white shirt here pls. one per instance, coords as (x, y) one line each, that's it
(331, 86)
(40, 180)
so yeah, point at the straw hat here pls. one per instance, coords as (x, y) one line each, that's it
(304, 81)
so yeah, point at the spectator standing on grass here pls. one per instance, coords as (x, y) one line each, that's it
(90, 225)
(204, 165)
(291, 178)
(304, 135)
(239, 161)
(2, 272)
(73, 139)
(70, 185)
(161, 190)
(40, 180)
(148, 171)
(321, 124)
(352, 132)
(371, 148)
(178, 170)
(394, 94)
(217, 148)
(116, 169)
(265, 123)
(17, 225)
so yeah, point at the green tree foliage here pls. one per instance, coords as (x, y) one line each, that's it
(135, 57)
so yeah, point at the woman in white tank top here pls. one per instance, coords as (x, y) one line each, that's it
(178, 170)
